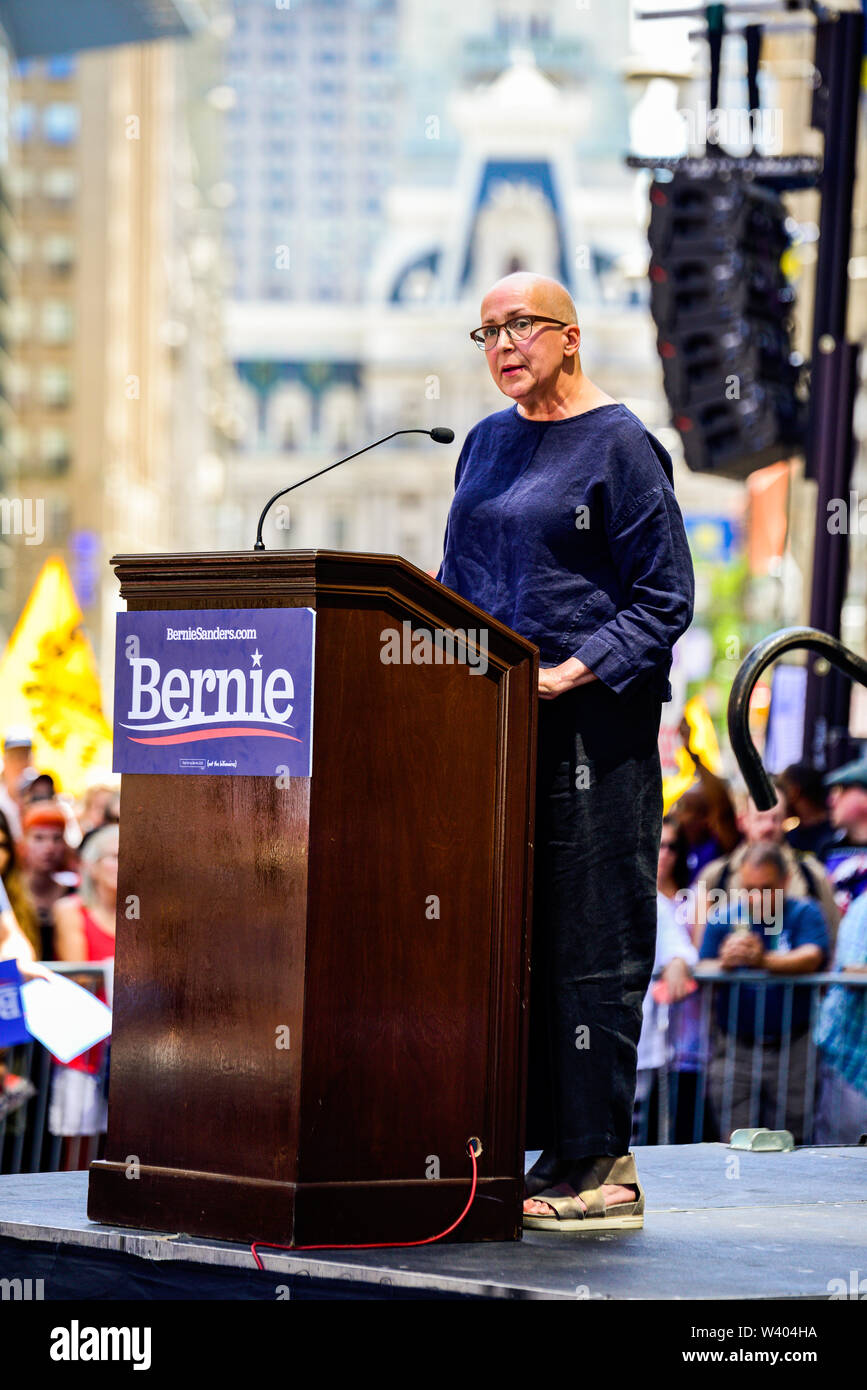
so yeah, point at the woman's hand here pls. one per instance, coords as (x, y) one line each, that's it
(556, 680)
(677, 976)
(34, 970)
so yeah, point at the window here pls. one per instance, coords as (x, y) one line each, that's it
(61, 68)
(54, 450)
(20, 320)
(55, 385)
(57, 321)
(18, 378)
(58, 517)
(21, 182)
(20, 248)
(59, 186)
(20, 441)
(58, 252)
(60, 123)
(23, 121)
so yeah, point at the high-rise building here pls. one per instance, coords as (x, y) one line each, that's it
(507, 125)
(313, 133)
(116, 378)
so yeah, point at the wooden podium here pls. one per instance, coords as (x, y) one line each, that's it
(324, 995)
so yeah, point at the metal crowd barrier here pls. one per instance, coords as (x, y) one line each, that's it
(678, 1108)
(26, 1142)
(706, 1115)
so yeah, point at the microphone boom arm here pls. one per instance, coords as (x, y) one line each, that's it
(436, 434)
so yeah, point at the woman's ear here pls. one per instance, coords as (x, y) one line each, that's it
(572, 341)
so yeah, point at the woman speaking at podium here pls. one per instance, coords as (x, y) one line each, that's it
(564, 525)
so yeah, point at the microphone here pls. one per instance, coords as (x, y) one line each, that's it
(441, 434)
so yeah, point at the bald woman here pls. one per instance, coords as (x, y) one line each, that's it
(564, 525)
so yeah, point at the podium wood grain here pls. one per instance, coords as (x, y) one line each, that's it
(312, 907)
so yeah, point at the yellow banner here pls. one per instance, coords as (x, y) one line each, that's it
(704, 740)
(49, 681)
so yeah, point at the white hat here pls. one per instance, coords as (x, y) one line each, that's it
(18, 736)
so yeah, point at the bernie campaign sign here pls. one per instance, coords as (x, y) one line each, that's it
(225, 692)
(13, 1028)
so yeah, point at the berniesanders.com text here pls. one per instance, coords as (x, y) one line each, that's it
(210, 634)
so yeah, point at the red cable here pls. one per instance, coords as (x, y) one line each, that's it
(383, 1245)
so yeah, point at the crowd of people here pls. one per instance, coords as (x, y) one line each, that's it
(720, 867)
(784, 893)
(58, 896)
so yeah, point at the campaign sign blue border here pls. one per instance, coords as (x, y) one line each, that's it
(219, 693)
(13, 1020)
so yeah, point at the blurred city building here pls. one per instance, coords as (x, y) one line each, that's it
(114, 378)
(239, 240)
(509, 124)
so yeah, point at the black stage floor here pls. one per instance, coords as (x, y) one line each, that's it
(720, 1224)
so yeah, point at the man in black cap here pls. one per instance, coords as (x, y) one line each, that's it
(846, 857)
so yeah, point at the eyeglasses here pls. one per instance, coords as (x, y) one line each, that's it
(517, 329)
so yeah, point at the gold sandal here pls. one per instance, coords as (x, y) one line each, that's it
(569, 1215)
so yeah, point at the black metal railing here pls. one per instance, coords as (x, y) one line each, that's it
(27, 1143)
(730, 1084)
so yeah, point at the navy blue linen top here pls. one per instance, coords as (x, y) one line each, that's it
(569, 532)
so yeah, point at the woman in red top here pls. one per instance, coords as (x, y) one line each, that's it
(85, 924)
(84, 931)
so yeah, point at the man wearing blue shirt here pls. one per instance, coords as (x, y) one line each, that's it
(841, 1033)
(782, 936)
(564, 525)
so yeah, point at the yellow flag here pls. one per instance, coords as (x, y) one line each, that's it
(704, 740)
(49, 681)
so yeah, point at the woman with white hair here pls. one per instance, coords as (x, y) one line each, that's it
(85, 923)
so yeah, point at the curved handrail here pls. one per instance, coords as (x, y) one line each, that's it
(762, 654)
